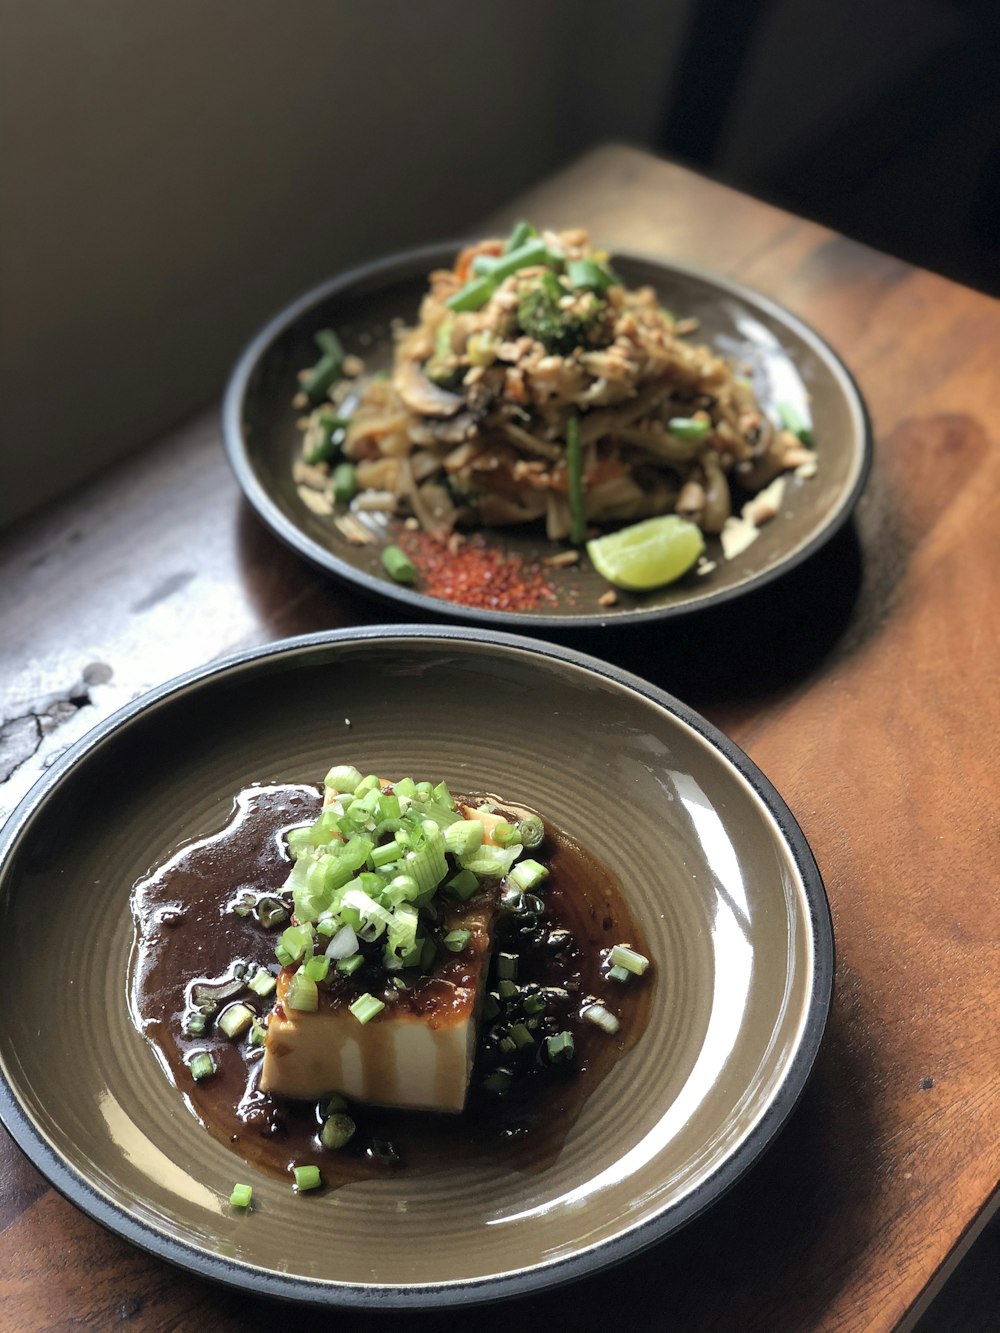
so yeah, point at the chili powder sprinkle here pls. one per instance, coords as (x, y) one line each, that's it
(475, 574)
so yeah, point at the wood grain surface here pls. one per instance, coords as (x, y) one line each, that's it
(865, 684)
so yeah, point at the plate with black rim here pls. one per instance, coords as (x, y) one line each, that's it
(785, 359)
(711, 862)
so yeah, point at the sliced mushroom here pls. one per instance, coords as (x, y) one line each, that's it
(422, 396)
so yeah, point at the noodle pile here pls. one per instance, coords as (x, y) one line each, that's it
(470, 427)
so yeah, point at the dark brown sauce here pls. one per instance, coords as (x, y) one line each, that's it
(187, 933)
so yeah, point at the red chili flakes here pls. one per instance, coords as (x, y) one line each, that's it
(477, 575)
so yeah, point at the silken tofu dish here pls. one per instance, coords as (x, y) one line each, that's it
(380, 974)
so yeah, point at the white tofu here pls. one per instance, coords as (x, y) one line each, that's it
(417, 1053)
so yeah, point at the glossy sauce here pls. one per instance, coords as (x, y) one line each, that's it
(188, 933)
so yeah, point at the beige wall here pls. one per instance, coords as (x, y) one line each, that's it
(173, 171)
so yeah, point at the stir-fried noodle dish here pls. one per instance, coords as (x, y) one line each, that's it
(536, 387)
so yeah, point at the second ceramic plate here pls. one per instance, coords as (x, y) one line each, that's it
(786, 360)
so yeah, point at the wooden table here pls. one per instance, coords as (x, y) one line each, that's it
(865, 685)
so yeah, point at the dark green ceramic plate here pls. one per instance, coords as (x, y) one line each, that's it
(713, 865)
(787, 361)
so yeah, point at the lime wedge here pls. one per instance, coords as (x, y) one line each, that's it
(647, 554)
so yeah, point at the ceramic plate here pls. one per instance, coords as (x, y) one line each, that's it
(787, 362)
(713, 866)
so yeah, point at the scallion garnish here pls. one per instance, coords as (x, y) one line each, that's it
(342, 778)
(560, 1048)
(302, 993)
(365, 1007)
(348, 966)
(456, 940)
(620, 974)
(689, 428)
(498, 1082)
(195, 1024)
(201, 1065)
(235, 1020)
(306, 1177)
(520, 1036)
(530, 831)
(527, 874)
(463, 885)
(601, 1017)
(327, 368)
(262, 983)
(337, 1130)
(241, 1196)
(574, 482)
(476, 292)
(398, 565)
(344, 482)
(622, 956)
(317, 967)
(589, 275)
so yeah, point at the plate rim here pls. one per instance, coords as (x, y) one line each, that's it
(237, 1274)
(330, 563)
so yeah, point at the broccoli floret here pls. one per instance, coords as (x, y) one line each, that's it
(559, 331)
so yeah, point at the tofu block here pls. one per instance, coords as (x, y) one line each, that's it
(417, 1053)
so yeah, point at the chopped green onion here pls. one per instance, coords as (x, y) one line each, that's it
(533, 251)
(521, 1036)
(328, 446)
(588, 274)
(348, 966)
(574, 481)
(492, 862)
(534, 1004)
(342, 778)
(560, 1048)
(258, 1034)
(336, 1131)
(530, 832)
(689, 428)
(317, 967)
(296, 941)
(491, 1006)
(241, 1196)
(302, 993)
(463, 885)
(474, 295)
(527, 874)
(194, 1024)
(262, 983)
(793, 420)
(202, 1066)
(331, 1105)
(235, 1020)
(621, 974)
(365, 1007)
(405, 787)
(207, 997)
(398, 565)
(344, 483)
(386, 854)
(622, 956)
(456, 940)
(507, 989)
(507, 966)
(327, 368)
(271, 912)
(307, 1177)
(503, 834)
(601, 1017)
(463, 837)
(523, 232)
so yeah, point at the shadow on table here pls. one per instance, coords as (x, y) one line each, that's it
(755, 646)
